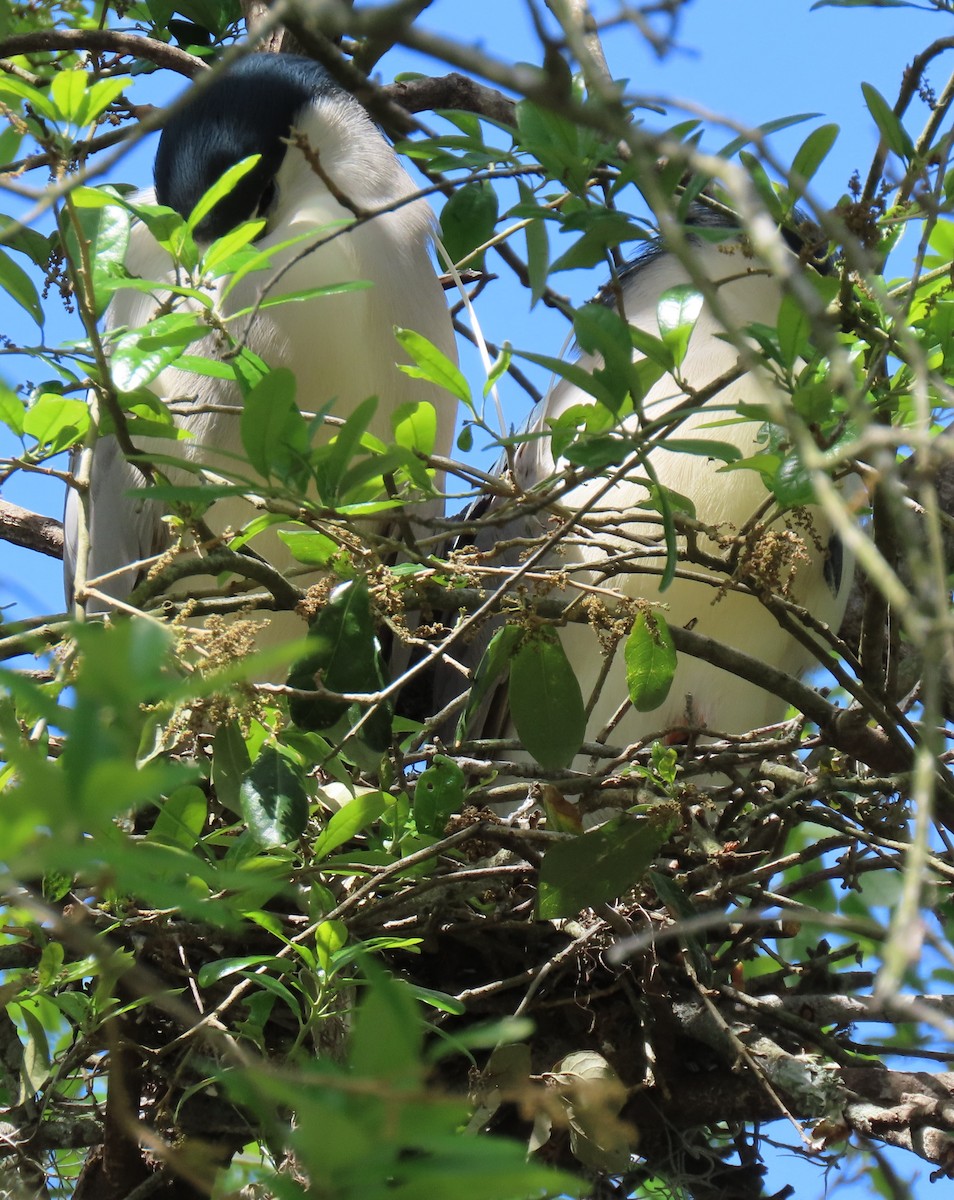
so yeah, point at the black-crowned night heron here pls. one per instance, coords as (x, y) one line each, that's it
(339, 183)
(616, 544)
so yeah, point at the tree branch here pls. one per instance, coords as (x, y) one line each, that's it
(108, 41)
(31, 530)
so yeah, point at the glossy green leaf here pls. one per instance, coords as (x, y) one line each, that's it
(222, 249)
(333, 461)
(298, 297)
(139, 356)
(792, 483)
(545, 700)
(573, 373)
(105, 232)
(650, 658)
(600, 866)
(98, 98)
(357, 814)
(38, 100)
(222, 968)
(274, 799)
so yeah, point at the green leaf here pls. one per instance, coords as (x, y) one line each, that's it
(650, 658)
(357, 814)
(55, 421)
(438, 794)
(895, 136)
(545, 701)
(468, 220)
(50, 965)
(98, 98)
(311, 293)
(140, 355)
(274, 433)
(766, 128)
(598, 453)
(37, 100)
(68, 91)
(415, 426)
(387, 1035)
(605, 229)
(810, 156)
(794, 331)
(274, 799)
(336, 458)
(230, 762)
(494, 665)
(498, 367)
(222, 968)
(310, 547)
(601, 865)
(538, 248)
(181, 818)
(223, 186)
(677, 312)
(222, 249)
(19, 287)
(573, 373)
(36, 1052)
(105, 230)
(792, 483)
(703, 448)
(763, 185)
(432, 364)
(12, 410)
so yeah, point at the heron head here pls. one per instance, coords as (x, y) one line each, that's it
(250, 109)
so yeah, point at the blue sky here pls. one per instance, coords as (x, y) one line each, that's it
(748, 60)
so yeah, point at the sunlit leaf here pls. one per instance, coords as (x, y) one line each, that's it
(274, 799)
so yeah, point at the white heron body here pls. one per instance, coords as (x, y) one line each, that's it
(702, 698)
(340, 347)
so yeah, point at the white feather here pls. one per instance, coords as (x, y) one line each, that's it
(702, 696)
